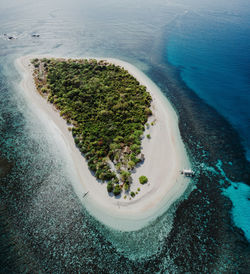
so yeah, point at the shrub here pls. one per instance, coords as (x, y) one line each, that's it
(34, 60)
(131, 164)
(148, 136)
(118, 139)
(132, 194)
(132, 137)
(143, 179)
(77, 141)
(113, 146)
(126, 187)
(115, 180)
(92, 166)
(118, 166)
(138, 133)
(148, 111)
(125, 176)
(44, 90)
(134, 159)
(117, 190)
(134, 147)
(106, 175)
(102, 175)
(110, 186)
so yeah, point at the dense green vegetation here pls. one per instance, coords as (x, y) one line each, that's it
(106, 109)
(143, 180)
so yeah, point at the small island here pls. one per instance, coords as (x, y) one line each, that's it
(106, 109)
(116, 132)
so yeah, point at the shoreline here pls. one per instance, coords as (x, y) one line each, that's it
(165, 156)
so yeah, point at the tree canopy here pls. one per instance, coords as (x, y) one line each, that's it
(107, 108)
(143, 179)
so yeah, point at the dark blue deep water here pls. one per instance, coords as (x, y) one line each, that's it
(198, 53)
(213, 54)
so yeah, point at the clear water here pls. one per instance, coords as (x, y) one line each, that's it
(212, 50)
(44, 227)
(240, 196)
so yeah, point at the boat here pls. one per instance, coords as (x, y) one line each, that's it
(187, 172)
(84, 195)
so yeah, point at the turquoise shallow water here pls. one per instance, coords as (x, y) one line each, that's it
(43, 226)
(239, 194)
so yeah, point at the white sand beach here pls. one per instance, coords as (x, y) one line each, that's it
(165, 156)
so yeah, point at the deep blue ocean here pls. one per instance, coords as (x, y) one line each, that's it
(212, 52)
(198, 53)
